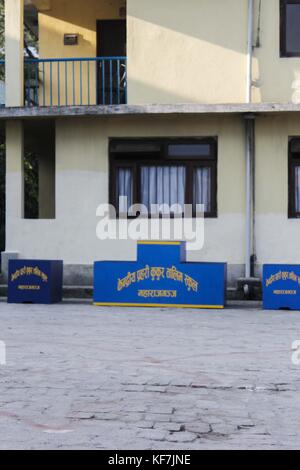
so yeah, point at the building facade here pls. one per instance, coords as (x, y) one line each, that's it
(129, 97)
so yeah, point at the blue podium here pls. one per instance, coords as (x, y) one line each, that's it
(35, 281)
(160, 277)
(281, 286)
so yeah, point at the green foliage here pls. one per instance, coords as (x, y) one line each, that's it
(30, 40)
(31, 186)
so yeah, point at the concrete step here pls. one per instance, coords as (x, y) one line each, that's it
(86, 293)
(69, 292)
(78, 292)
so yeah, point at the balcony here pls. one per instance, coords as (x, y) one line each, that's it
(75, 81)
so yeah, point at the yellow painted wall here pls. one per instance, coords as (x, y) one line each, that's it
(187, 51)
(177, 51)
(276, 77)
(89, 138)
(82, 184)
(276, 236)
(180, 51)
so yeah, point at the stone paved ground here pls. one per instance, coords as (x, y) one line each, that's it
(83, 377)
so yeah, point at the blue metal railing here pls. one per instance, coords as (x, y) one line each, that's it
(75, 81)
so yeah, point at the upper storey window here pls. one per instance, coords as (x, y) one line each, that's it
(290, 28)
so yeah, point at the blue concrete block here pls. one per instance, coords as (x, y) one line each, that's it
(35, 281)
(160, 278)
(281, 286)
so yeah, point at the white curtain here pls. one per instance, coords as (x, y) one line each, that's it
(297, 188)
(124, 190)
(202, 187)
(163, 185)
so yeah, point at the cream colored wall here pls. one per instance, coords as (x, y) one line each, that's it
(177, 52)
(277, 237)
(82, 184)
(14, 44)
(275, 77)
(191, 51)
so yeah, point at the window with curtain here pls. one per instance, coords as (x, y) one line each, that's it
(163, 185)
(294, 178)
(162, 175)
(202, 187)
(289, 28)
(124, 189)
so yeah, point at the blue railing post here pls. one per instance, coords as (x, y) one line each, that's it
(43, 85)
(2, 78)
(66, 83)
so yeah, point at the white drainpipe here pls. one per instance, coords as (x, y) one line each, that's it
(249, 144)
(249, 51)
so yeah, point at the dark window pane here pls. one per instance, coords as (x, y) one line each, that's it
(295, 146)
(136, 147)
(189, 150)
(293, 27)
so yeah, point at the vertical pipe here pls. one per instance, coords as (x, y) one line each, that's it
(249, 193)
(249, 51)
(249, 144)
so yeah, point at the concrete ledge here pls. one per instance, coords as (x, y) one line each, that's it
(86, 293)
(147, 109)
(78, 275)
(69, 292)
(78, 292)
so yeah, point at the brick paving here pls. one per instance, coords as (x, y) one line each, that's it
(81, 377)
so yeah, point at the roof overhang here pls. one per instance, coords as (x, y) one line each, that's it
(147, 110)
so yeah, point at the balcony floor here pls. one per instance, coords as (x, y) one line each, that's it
(147, 109)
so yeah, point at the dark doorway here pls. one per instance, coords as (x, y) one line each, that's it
(111, 47)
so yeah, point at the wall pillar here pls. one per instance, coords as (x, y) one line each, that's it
(14, 55)
(14, 180)
(14, 189)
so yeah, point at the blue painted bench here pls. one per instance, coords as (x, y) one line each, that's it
(35, 281)
(161, 277)
(281, 286)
